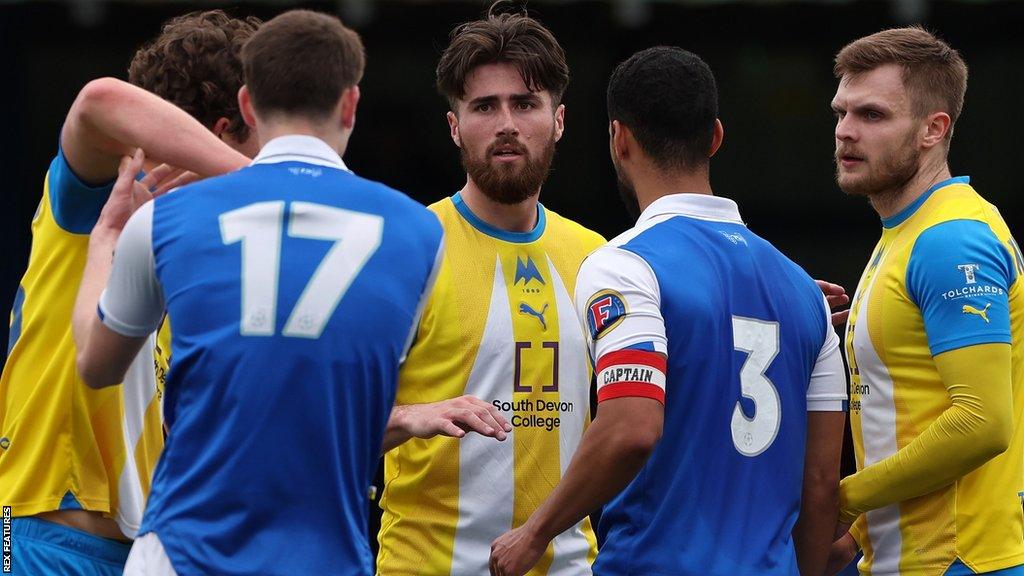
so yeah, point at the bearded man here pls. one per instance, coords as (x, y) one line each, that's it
(499, 327)
(934, 338)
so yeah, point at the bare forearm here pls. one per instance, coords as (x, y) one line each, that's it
(99, 261)
(395, 434)
(610, 451)
(110, 118)
(813, 532)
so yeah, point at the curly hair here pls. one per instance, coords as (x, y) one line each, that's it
(195, 63)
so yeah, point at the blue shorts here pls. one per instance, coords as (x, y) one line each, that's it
(41, 548)
(958, 569)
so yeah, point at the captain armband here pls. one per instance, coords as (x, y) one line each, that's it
(631, 373)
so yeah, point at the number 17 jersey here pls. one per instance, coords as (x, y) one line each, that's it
(499, 325)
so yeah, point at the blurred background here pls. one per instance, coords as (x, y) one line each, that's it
(772, 59)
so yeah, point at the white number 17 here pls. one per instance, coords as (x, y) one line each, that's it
(258, 227)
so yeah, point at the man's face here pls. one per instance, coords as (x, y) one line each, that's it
(506, 133)
(877, 134)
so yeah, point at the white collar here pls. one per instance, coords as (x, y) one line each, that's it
(299, 148)
(701, 206)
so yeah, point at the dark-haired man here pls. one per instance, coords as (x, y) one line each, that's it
(717, 366)
(934, 340)
(293, 287)
(75, 464)
(500, 324)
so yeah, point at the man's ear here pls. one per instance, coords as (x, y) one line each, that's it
(453, 126)
(937, 126)
(622, 140)
(220, 126)
(349, 102)
(716, 138)
(245, 107)
(559, 121)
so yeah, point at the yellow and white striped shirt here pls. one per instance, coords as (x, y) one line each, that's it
(499, 325)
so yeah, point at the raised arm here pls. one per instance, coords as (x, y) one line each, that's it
(110, 118)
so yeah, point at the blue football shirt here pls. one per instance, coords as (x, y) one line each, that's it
(292, 288)
(692, 309)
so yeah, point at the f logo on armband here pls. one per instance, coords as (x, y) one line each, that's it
(605, 311)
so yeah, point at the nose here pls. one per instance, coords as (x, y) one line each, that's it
(507, 123)
(845, 129)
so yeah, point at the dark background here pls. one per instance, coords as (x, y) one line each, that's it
(773, 61)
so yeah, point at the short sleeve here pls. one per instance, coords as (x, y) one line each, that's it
(959, 274)
(76, 205)
(424, 298)
(826, 391)
(133, 302)
(619, 303)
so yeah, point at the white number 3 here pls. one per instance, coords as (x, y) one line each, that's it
(258, 228)
(760, 340)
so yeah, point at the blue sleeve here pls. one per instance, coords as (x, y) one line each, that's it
(76, 205)
(958, 275)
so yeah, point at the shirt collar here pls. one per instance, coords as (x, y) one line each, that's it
(701, 206)
(903, 215)
(299, 148)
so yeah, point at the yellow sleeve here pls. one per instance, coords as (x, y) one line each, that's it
(975, 428)
(859, 530)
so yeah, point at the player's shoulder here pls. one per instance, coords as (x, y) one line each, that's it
(611, 261)
(562, 227)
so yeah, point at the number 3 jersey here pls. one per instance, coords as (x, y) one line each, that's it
(499, 325)
(692, 309)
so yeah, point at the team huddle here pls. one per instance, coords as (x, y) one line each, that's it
(222, 329)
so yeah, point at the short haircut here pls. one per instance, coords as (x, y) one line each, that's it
(669, 100)
(300, 63)
(933, 73)
(195, 63)
(509, 37)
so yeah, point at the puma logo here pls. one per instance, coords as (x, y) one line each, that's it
(525, 308)
(968, 309)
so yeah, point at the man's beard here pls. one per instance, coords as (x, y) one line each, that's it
(505, 183)
(892, 174)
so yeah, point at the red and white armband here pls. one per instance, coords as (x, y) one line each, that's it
(631, 373)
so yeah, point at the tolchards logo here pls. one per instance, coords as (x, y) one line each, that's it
(968, 270)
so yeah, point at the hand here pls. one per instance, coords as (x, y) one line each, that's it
(836, 297)
(516, 551)
(168, 178)
(453, 418)
(841, 530)
(841, 554)
(129, 194)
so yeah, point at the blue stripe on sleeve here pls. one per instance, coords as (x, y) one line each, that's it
(76, 205)
(958, 275)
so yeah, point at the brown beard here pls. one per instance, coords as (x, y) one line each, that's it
(505, 183)
(893, 172)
